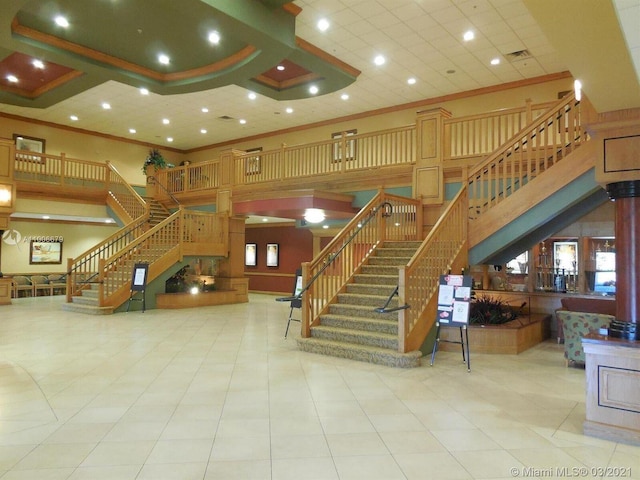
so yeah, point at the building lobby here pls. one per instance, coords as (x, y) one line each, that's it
(220, 392)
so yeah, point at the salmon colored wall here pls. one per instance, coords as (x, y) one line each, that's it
(295, 247)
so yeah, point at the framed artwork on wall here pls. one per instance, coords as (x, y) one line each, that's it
(45, 252)
(251, 254)
(29, 144)
(565, 256)
(272, 254)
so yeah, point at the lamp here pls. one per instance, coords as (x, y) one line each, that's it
(5, 195)
(314, 215)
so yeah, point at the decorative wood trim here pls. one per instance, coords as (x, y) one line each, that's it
(101, 57)
(327, 57)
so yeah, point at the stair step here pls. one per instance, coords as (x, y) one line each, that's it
(361, 311)
(359, 337)
(85, 300)
(88, 309)
(391, 270)
(396, 261)
(360, 323)
(372, 301)
(363, 353)
(367, 279)
(369, 289)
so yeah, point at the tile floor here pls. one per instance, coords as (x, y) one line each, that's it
(218, 393)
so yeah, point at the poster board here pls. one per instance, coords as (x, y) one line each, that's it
(297, 288)
(139, 279)
(454, 297)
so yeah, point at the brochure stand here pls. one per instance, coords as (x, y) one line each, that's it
(139, 284)
(454, 297)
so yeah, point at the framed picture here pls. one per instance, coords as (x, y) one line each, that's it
(251, 254)
(29, 144)
(252, 164)
(45, 252)
(565, 256)
(272, 254)
(350, 145)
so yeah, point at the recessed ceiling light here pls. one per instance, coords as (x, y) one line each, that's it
(46, 217)
(379, 60)
(74, 118)
(109, 220)
(12, 78)
(163, 59)
(326, 227)
(252, 96)
(205, 110)
(242, 121)
(203, 130)
(265, 219)
(38, 63)
(469, 35)
(144, 91)
(495, 61)
(344, 96)
(313, 89)
(323, 24)
(61, 21)
(169, 139)
(132, 130)
(411, 81)
(106, 106)
(280, 68)
(166, 121)
(214, 37)
(289, 110)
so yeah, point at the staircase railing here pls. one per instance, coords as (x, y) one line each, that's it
(123, 199)
(116, 270)
(160, 247)
(528, 154)
(443, 250)
(84, 269)
(59, 170)
(385, 217)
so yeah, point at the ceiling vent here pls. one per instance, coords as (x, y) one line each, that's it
(225, 118)
(518, 56)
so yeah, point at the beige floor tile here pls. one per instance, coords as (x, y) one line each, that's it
(218, 393)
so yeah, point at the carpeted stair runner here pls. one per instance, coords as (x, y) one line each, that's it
(352, 328)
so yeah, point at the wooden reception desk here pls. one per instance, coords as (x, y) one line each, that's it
(613, 388)
(5, 291)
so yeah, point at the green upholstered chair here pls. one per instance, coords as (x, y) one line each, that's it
(576, 325)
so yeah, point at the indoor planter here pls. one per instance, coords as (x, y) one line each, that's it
(497, 327)
(155, 159)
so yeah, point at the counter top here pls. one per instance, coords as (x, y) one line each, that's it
(597, 339)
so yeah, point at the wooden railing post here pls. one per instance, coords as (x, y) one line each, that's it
(305, 328)
(63, 173)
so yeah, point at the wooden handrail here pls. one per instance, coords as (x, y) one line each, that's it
(527, 154)
(355, 243)
(125, 197)
(443, 250)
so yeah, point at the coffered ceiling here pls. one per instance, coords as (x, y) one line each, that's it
(273, 49)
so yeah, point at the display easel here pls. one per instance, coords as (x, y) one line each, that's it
(139, 285)
(454, 298)
(295, 301)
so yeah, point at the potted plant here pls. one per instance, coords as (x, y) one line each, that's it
(154, 158)
(487, 310)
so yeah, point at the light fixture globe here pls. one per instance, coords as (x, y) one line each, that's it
(314, 215)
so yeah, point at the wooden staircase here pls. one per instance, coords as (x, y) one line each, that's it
(87, 302)
(352, 328)
(157, 211)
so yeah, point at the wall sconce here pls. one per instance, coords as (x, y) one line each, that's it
(6, 196)
(314, 215)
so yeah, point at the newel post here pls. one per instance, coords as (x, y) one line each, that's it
(305, 327)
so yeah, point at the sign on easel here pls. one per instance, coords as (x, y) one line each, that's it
(139, 280)
(139, 284)
(454, 298)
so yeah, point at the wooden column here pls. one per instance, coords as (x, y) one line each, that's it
(428, 179)
(627, 211)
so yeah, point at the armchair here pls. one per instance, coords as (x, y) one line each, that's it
(576, 325)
